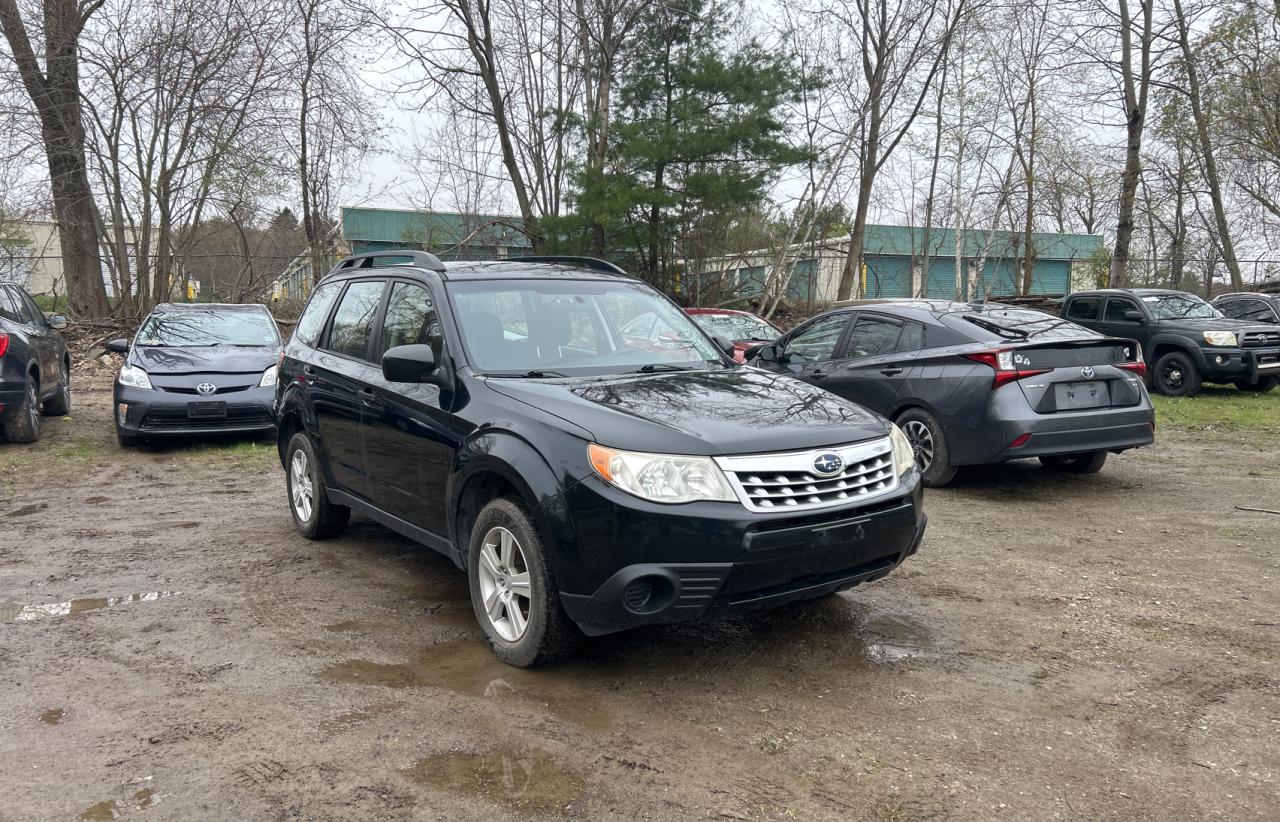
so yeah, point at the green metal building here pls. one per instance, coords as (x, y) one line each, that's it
(448, 235)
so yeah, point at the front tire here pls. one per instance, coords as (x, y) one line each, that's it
(1175, 375)
(313, 514)
(1262, 386)
(513, 592)
(929, 444)
(1077, 463)
(59, 405)
(24, 425)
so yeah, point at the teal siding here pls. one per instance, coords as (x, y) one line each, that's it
(888, 276)
(942, 278)
(798, 287)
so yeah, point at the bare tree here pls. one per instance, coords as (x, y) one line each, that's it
(54, 89)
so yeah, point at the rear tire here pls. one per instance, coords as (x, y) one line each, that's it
(513, 592)
(59, 405)
(24, 424)
(313, 514)
(929, 442)
(1262, 386)
(1175, 375)
(1077, 463)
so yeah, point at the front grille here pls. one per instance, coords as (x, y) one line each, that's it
(176, 418)
(229, 389)
(1261, 339)
(787, 482)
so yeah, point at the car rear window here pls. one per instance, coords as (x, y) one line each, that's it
(995, 324)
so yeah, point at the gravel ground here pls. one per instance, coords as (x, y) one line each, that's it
(1062, 647)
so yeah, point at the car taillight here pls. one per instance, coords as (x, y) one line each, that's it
(1005, 364)
(4, 344)
(1138, 366)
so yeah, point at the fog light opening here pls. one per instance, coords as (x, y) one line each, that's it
(122, 412)
(648, 594)
(1221, 360)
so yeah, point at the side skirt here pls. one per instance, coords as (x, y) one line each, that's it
(431, 540)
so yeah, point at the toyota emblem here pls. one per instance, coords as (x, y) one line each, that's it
(206, 388)
(1087, 372)
(828, 463)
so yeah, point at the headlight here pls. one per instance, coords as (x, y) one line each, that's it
(904, 456)
(133, 377)
(269, 376)
(1221, 338)
(661, 477)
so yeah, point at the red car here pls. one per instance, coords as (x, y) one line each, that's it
(743, 327)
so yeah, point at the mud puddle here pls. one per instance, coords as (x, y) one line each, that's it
(898, 637)
(467, 666)
(528, 780)
(15, 612)
(53, 716)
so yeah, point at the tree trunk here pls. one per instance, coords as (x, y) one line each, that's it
(1135, 88)
(56, 96)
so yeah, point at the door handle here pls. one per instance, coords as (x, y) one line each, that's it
(889, 372)
(817, 375)
(367, 395)
(309, 370)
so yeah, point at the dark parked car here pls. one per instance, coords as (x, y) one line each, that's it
(197, 368)
(971, 384)
(1250, 306)
(497, 413)
(35, 371)
(1186, 340)
(745, 329)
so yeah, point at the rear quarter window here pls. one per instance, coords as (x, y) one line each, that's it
(1084, 308)
(311, 323)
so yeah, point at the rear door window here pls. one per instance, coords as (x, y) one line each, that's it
(352, 328)
(1256, 311)
(8, 307)
(311, 323)
(1084, 308)
(872, 336)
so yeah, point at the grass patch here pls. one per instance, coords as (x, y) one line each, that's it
(243, 453)
(80, 450)
(1220, 408)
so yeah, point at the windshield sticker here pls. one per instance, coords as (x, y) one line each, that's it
(1150, 299)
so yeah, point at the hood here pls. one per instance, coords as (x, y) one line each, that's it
(734, 411)
(217, 359)
(1214, 324)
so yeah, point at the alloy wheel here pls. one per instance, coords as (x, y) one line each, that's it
(921, 439)
(1173, 376)
(33, 406)
(504, 584)
(301, 487)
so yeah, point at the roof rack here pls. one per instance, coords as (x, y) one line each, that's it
(582, 262)
(419, 259)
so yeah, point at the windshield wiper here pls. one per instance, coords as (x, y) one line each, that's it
(661, 366)
(534, 374)
(995, 328)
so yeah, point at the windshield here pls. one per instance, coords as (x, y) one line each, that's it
(1180, 307)
(199, 327)
(515, 327)
(995, 323)
(737, 326)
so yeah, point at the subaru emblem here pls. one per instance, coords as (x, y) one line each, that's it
(206, 388)
(828, 463)
(1087, 372)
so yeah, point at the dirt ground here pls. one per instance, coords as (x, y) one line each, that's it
(1061, 648)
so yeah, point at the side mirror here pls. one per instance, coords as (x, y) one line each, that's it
(1134, 316)
(57, 321)
(725, 344)
(410, 363)
(763, 353)
(118, 346)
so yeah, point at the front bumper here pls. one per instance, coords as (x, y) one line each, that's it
(640, 563)
(1230, 364)
(159, 413)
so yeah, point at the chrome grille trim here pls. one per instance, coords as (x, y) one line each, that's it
(788, 481)
(1260, 339)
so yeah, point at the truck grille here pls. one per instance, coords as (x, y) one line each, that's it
(1260, 339)
(773, 482)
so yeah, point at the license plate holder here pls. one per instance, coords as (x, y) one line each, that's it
(1071, 396)
(206, 410)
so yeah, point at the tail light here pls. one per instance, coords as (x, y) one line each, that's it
(1138, 366)
(4, 344)
(1006, 366)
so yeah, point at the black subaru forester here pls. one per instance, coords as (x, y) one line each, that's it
(586, 481)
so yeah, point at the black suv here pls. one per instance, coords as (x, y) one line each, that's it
(1186, 340)
(35, 371)
(1252, 306)
(584, 480)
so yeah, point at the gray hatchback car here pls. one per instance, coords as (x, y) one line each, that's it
(972, 383)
